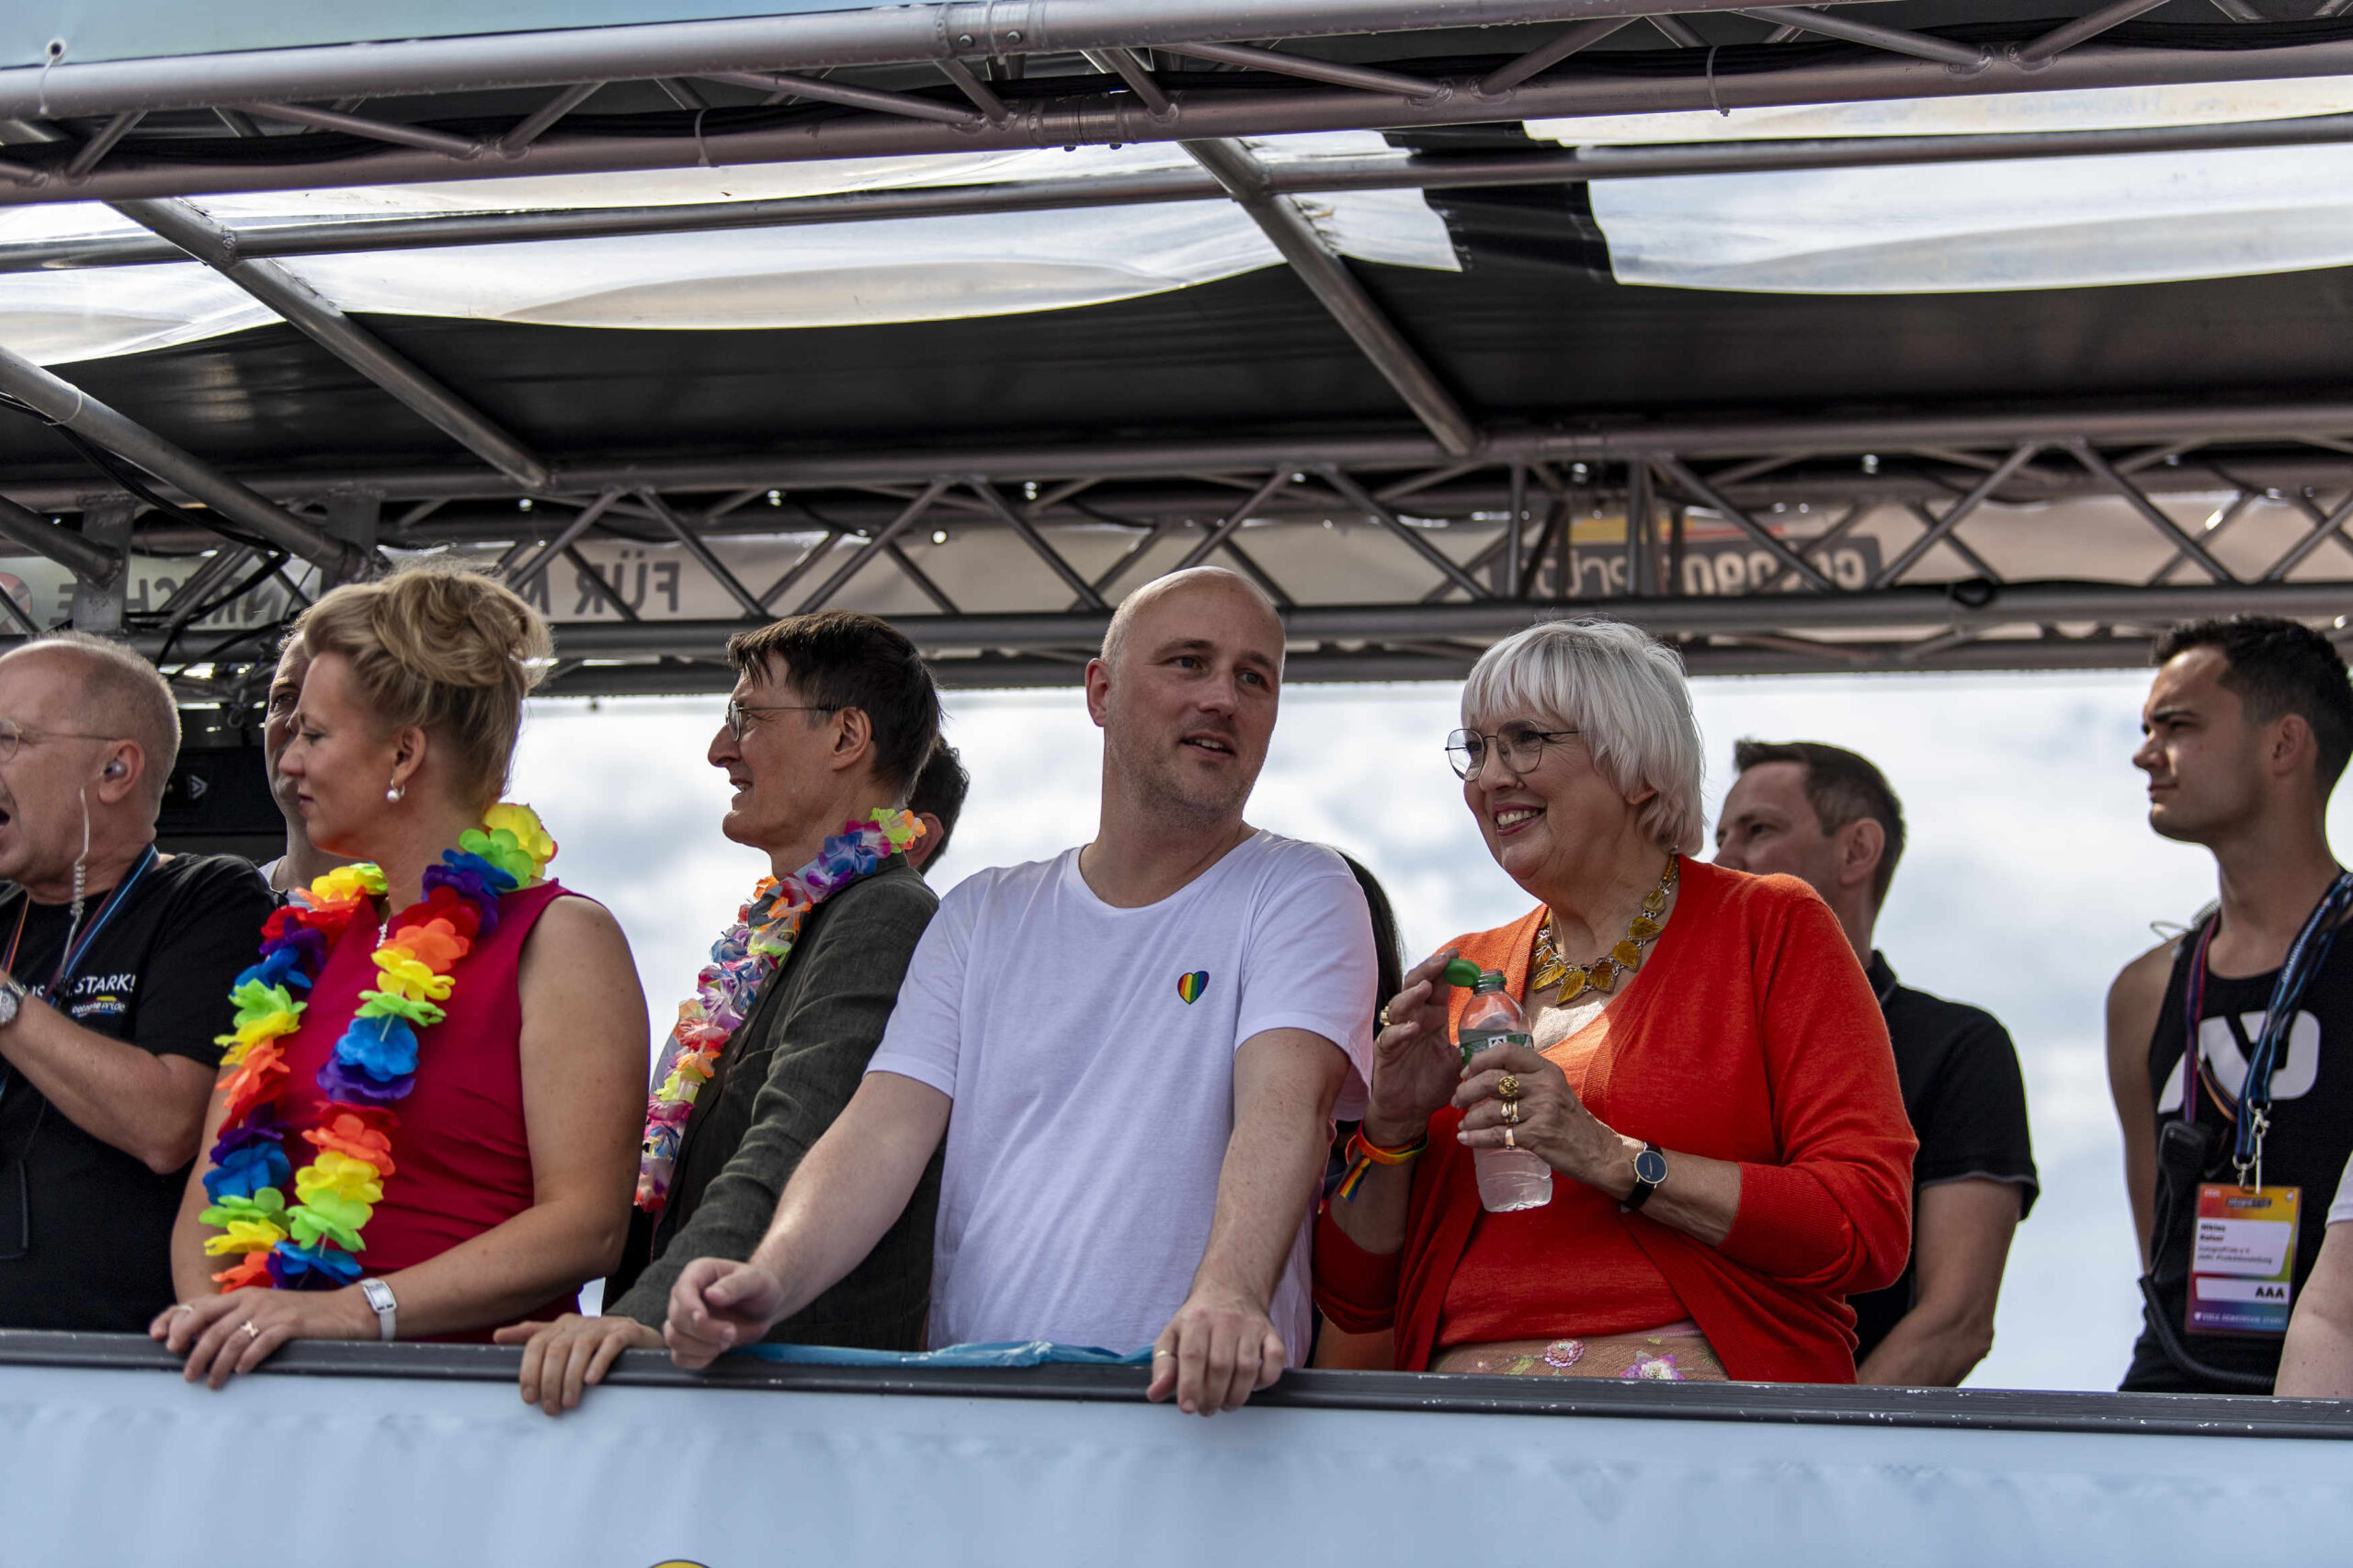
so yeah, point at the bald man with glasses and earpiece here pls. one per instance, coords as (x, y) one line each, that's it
(119, 963)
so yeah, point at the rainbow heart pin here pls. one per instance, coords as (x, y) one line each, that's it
(1190, 986)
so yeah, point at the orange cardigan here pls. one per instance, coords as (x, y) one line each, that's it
(1750, 1035)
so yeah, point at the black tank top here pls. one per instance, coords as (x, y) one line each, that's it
(2312, 1132)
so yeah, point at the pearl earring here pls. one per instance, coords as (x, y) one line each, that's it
(392, 795)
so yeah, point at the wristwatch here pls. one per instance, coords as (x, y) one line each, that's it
(12, 999)
(1650, 1169)
(379, 1296)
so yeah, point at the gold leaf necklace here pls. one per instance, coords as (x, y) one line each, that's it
(1603, 973)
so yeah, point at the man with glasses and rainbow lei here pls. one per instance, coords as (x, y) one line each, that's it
(831, 722)
(117, 964)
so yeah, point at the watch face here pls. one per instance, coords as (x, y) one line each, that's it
(1650, 1165)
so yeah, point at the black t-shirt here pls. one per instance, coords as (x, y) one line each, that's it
(85, 1229)
(2311, 1134)
(1967, 1102)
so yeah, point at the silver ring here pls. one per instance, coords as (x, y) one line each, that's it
(251, 1332)
(185, 1307)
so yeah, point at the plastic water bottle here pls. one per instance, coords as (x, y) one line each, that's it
(1510, 1179)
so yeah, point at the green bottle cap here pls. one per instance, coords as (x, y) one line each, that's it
(1461, 972)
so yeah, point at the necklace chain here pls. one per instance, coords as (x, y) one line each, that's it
(1548, 969)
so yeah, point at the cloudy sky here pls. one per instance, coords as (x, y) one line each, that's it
(2030, 879)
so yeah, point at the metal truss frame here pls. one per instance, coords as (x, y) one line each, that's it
(1484, 542)
(1487, 513)
(1061, 72)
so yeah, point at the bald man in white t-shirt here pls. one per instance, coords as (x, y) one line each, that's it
(1142, 1041)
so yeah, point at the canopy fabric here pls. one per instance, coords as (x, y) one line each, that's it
(2091, 108)
(835, 275)
(2043, 223)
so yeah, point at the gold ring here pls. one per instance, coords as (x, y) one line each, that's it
(1508, 1088)
(1157, 1355)
(1511, 1112)
(251, 1332)
(1384, 1015)
(1507, 1142)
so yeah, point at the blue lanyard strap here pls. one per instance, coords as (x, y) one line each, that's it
(2306, 956)
(71, 958)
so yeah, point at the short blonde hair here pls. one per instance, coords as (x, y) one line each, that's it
(445, 649)
(1623, 690)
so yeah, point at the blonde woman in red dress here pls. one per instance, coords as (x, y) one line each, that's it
(476, 1134)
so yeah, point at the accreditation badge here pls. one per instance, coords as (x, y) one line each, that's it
(2242, 1266)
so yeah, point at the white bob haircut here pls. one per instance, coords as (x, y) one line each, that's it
(1623, 691)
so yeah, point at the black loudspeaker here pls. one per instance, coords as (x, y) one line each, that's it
(218, 802)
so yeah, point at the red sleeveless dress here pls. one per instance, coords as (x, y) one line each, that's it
(463, 1158)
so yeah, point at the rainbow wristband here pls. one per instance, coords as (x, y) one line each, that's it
(1362, 1155)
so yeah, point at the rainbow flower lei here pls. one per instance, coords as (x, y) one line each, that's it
(741, 962)
(311, 1244)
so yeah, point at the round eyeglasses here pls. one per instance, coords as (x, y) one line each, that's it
(14, 735)
(1521, 745)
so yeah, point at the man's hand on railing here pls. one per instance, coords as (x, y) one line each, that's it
(717, 1305)
(563, 1358)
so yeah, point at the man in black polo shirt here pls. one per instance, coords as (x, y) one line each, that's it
(1828, 817)
(118, 966)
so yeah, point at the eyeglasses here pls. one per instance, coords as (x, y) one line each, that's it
(740, 714)
(1522, 746)
(14, 735)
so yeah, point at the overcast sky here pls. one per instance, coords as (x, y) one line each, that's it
(2031, 877)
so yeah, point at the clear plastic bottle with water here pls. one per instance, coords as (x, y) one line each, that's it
(1510, 1179)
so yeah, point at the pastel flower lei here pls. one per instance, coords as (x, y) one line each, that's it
(741, 962)
(311, 1244)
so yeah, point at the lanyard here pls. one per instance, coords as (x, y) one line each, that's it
(70, 957)
(2305, 955)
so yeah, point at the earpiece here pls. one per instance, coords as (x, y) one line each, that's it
(114, 769)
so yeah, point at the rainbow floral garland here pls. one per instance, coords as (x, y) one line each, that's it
(741, 962)
(311, 1245)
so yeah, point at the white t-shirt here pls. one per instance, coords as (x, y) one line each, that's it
(2341, 1210)
(1094, 1100)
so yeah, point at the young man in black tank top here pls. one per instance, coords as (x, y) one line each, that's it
(2248, 725)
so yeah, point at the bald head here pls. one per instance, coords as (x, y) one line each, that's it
(1193, 581)
(103, 688)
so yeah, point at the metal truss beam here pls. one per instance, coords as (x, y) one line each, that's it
(1760, 657)
(1956, 514)
(1440, 172)
(1947, 436)
(1699, 490)
(87, 561)
(1964, 57)
(319, 319)
(1976, 608)
(1329, 279)
(2060, 40)
(1192, 113)
(72, 408)
(877, 36)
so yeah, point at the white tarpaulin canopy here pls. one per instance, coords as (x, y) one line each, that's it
(838, 275)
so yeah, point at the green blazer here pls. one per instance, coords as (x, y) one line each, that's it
(782, 1079)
